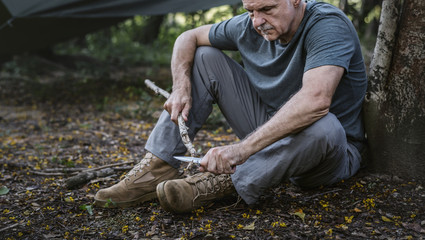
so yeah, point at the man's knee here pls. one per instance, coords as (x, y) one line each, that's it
(328, 129)
(206, 50)
(206, 54)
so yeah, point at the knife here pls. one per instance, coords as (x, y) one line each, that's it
(195, 160)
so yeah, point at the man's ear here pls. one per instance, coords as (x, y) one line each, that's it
(296, 3)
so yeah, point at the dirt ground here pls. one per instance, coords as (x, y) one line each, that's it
(57, 123)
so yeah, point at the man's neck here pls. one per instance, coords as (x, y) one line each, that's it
(298, 19)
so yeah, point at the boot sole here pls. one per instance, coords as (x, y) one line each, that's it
(138, 201)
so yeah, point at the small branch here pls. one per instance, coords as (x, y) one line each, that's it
(75, 170)
(157, 89)
(51, 174)
(62, 170)
(321, 194)
(182, 125)
(9, 227)
(84, 177)
(105, 166)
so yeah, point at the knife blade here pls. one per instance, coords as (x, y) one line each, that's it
(196, 160)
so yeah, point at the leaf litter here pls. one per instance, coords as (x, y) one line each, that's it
(52, 129)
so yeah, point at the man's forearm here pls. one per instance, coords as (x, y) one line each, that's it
(182, 61)
(180, 100)
(307, 106)
(183, 54)
(294, 116)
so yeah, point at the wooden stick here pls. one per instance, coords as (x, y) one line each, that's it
(51, 174)
(157, 89)
(182, 125)
(74, 170)
(84, 177)
(106, 166)
(10, 226)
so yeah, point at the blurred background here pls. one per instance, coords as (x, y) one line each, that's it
(147, 40)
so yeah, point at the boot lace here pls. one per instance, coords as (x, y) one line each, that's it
(145, 162)
(212, 184)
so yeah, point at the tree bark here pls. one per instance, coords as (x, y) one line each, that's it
(149, 33)
(395, 104)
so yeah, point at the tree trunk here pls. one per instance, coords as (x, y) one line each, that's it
(395, 105)
(151, 29)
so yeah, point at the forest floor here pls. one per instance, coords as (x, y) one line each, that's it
(56, 122)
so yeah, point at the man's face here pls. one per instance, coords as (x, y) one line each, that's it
(273, 19)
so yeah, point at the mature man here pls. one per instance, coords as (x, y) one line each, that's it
(296, 105)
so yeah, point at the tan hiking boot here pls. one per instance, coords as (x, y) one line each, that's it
(185, 195)
(138, 185)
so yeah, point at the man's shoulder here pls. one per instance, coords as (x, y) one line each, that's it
(238, 26)
(241, 20)
(322, 9)
(321, 15)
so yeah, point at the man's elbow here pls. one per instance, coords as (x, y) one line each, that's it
(321, 107)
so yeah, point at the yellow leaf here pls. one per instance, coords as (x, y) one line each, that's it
(385, 219)
(357, 210)
(300, 214)
(250, 227)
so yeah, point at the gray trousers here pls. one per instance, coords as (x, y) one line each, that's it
(318, 155)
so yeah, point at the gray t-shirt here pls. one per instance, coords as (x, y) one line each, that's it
(325, 37)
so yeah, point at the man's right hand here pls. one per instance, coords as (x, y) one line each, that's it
(180, 101)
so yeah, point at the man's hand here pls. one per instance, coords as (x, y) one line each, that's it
(223, 160)
(179, 101)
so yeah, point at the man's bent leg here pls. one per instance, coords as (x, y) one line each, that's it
(216, 78)
(219, 79)
(318, 155)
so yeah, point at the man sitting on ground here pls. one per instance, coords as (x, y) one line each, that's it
(296, 104)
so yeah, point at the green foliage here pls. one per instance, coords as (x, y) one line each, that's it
(120, 44)
(216, 119)
(87, 208)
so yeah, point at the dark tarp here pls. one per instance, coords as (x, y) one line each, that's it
(27, 25)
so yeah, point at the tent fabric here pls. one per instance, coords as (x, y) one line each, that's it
(106, 8)
(27, 25)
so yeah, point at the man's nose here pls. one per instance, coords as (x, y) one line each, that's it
(257, 19)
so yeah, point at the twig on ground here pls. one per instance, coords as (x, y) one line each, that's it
(106, 166)
(51, 174)
(9, 227)
(321, 194)
(92, 173)
(76, 170)
(84, 177)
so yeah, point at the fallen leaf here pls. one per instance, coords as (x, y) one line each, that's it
(385, 219)
(250, 227)
(299, 213)
(4, 190)
(88, 208)
(357, 210)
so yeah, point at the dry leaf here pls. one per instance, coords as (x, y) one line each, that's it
(250, 227)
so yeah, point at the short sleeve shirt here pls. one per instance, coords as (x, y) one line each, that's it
(325, 37)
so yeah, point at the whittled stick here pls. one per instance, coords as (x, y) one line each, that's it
(183, 129)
